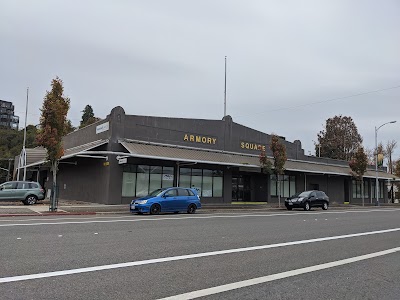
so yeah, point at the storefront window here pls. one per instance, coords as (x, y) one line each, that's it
(128, 184)
(287, 185)
(366, 189)
(155, 178)
(381, 189)
(207, 187)
(167, 177)
(140, 180)
(184, 177)
(208, 183)
(217, 186)
(143, 176)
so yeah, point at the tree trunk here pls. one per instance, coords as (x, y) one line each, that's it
(53, 195)
(362, 191)
(279, 191)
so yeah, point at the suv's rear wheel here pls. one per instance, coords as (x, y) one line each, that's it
(325, 206)
(30, 200)
(307, 206)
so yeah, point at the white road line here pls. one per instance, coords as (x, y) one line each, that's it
(188, 256)
(59, 218)
(277, 276)
(158, 218)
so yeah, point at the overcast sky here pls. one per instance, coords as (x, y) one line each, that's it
(286, 59)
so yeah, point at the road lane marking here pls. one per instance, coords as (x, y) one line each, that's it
(155, 218)
(59, 218)
(187, 256)
(277, 276)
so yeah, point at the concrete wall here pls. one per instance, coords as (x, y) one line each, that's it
(86, 181)
(224, 134)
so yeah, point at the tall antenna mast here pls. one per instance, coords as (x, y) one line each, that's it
(225, 91)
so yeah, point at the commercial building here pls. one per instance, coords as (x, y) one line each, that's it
(7, 117)
(127, 156)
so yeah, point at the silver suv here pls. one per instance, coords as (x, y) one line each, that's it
(27, 192)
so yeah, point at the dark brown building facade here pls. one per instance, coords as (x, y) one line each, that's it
(127, 156)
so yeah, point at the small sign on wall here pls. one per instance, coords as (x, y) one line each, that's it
(102, 127)
(168, 177)
(122, 161)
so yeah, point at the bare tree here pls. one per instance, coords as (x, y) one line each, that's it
(370, 156)
(390, 146)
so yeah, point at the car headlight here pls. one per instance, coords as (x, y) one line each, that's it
(141, 202)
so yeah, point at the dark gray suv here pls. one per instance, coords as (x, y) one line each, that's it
(308, 199)
(27, 192)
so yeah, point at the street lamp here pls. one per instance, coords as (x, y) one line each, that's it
(376, 161)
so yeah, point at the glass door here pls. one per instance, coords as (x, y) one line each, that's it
(241, 188)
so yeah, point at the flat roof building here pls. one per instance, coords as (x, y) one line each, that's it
(127, 156)
(7, 117)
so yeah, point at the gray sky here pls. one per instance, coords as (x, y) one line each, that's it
(166, 58)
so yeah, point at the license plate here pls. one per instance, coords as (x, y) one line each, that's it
(133, 206)
(290, 203)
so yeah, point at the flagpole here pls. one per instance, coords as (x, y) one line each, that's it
(23, 147)
(225, 91)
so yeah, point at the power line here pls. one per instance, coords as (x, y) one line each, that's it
(322, 101)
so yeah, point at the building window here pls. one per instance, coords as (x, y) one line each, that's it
(208, 183)
(140, 180)
(381, 189)
(287, 185)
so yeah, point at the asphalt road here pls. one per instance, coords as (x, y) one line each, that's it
(281, 255)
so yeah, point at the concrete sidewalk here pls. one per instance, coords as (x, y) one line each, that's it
(66, 207)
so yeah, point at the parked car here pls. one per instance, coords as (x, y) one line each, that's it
(308, 199)
(167, 200)
(27, 192)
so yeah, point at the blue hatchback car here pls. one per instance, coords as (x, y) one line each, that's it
(167, 200)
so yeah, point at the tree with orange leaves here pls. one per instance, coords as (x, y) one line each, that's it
(53, 126)
(279, 153)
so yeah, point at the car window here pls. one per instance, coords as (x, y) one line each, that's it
(9, 185)
(171, 193)
(321, 194)
(22, 185)
(33, 185)
(313, 194)
(191, 193)
(183, 192)
(156, 192)
(304, 194)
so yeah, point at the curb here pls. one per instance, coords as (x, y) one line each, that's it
(48, 214)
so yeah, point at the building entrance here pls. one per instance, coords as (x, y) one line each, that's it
(241, 188)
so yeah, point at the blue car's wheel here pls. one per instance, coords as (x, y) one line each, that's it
(155, 209)
(191, 209)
